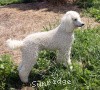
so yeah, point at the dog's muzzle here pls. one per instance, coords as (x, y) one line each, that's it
(82, 24)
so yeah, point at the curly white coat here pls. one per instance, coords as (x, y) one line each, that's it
(60, 39)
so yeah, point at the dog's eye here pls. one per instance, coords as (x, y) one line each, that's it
(75, 19)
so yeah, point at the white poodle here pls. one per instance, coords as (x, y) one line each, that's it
(60, 38)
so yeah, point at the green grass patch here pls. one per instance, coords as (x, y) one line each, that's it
(51, 76)
(92, 7)
(8, 73)
(6, 2)
(95, 12)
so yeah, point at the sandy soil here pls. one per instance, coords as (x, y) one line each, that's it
(19, 20)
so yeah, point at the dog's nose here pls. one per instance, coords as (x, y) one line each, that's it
(82, 24)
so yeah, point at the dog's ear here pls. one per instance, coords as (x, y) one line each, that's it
(66, 18)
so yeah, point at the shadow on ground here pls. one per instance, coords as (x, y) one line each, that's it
(13, 81)
(43, 5)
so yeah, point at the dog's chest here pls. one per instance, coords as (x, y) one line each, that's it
(65, 38)
(61, 41)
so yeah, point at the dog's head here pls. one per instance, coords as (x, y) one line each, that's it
(75, 18)
(72, 20)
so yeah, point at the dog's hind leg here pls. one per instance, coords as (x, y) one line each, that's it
(29, 57)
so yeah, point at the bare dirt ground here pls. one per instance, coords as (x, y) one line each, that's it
(19, 20)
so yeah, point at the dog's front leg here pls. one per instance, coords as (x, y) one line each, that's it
(67, 58)
(63, 57)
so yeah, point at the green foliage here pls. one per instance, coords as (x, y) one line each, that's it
(28, 1)
(6, 2)
(91, 6)
(85, 3)
(51, 76)
(94, 12)
(87, 44)
(8, 72)
(55, 2)
(86, 63)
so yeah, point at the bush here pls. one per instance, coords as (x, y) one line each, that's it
(55, 2)
(6, 2)
(84, 3)
(28, 1)
(95, 13)
(8, 73)
(91, 6)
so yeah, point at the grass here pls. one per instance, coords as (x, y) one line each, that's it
(92, 7)
(94, 11)
(50, 76)
(5, 2)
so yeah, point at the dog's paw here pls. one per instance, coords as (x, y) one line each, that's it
(65, 66)
(71, 67)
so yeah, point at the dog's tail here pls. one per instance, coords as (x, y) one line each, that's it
(14, 44)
